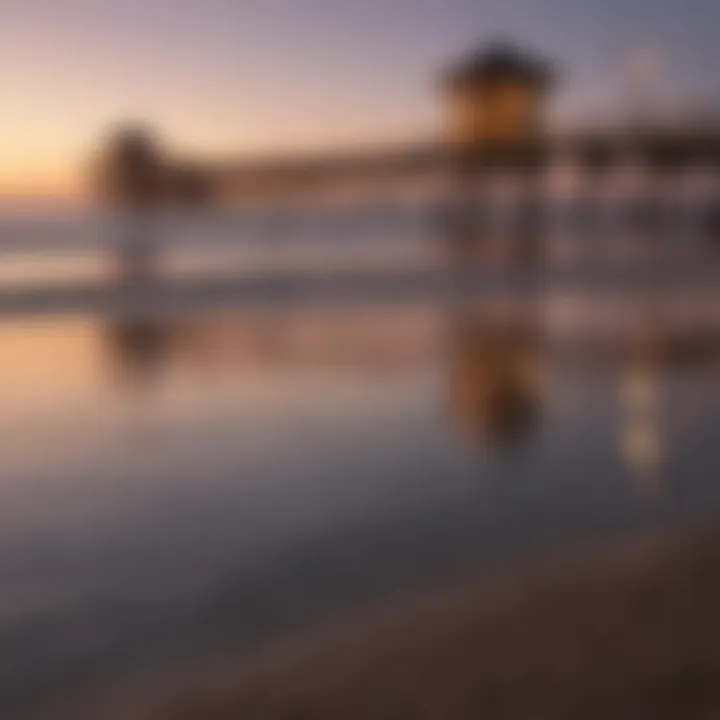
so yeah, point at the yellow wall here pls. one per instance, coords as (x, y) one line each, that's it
(502, 113)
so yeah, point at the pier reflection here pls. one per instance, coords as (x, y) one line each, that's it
(499, 360)
(492, 365)
(137, 350)
(495, 375)
(649, 428)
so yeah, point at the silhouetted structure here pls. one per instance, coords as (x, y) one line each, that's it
(496, 102)
(495, 106)
(189, 185)
(131, 169)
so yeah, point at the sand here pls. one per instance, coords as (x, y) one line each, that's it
(630, 633)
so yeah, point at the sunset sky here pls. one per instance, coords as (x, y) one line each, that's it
(252, 76)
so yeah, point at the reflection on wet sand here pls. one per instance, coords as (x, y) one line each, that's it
(225, 343)
(496, 359)
(493, 360)
(138, 349)
(641, 432)
(482, 367)
(495, 376)
(645, 435)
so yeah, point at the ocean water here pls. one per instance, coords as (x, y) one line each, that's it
(80, 246)
(179, 488)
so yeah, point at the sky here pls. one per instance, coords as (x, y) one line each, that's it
(248, 77)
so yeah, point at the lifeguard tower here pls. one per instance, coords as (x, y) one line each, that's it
(496, 101)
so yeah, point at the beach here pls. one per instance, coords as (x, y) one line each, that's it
(631, 632)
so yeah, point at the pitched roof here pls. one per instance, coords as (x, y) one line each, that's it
(498, 60)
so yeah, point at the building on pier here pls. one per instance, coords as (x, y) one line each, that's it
(496, 103)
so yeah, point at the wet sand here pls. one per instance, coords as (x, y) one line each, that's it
(630, 633)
